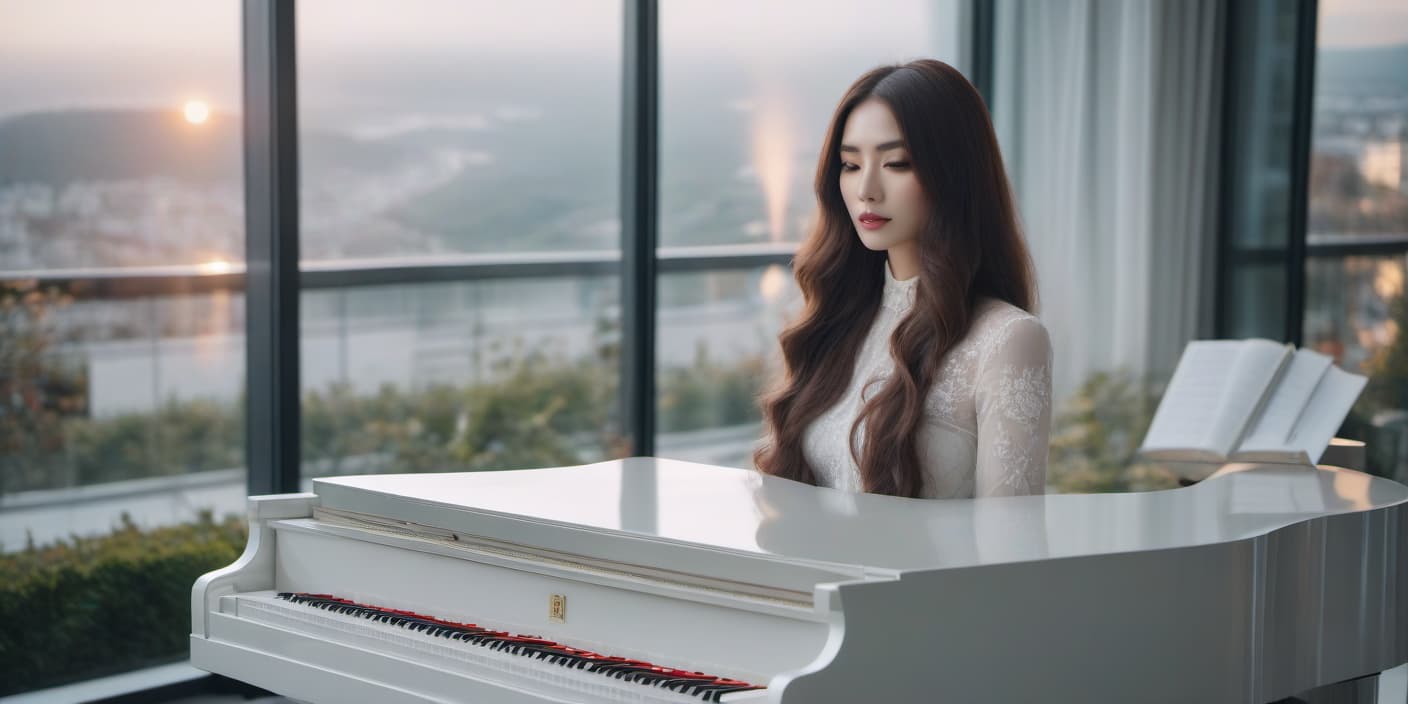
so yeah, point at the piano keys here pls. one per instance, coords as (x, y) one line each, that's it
(426, 635)
(1258, 583)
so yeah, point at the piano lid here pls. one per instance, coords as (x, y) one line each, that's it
(742, 512)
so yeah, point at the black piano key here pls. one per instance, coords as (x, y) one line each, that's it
(681, 685)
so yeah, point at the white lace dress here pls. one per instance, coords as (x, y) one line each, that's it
(987, 417)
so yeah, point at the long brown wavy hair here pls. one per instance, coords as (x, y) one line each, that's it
(970, 248)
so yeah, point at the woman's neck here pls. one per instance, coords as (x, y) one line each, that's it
(904, 261)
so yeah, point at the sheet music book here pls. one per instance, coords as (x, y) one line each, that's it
(1250, 401)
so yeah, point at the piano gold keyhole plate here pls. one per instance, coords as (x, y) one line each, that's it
(557, 608)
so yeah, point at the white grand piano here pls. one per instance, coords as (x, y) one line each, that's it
(650, 580)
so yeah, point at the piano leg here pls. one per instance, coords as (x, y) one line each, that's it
(1363, 690)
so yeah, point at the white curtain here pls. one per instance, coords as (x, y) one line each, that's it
(1108, 114)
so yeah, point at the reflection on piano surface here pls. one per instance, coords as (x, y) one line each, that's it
(647, 580)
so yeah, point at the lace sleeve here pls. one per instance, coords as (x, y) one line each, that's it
(1013, 404)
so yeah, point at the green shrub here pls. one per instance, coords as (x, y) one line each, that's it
(89, 607)
(1385, 393)
(38, 390)
(536, 410)
(1096, 433)
(1388, 368)
(709, 394)
(534, 415)
(533, 411)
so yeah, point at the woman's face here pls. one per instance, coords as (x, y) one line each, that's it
(887, 206)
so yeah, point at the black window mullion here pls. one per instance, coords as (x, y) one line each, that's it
(272, 409)
(1302, 122)
(639, 202)
(1227, 160)
(1268, 111)
(982, 28)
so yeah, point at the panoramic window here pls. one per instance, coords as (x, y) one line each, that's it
(121, 329)
(483, 138)
(1357, 232)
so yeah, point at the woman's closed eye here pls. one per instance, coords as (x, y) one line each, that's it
(898, 165)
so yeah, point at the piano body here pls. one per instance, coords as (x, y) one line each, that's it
(1256, 584)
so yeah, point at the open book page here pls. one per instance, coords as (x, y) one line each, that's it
(1271, 432)
(1216, 388)
(1328, 406)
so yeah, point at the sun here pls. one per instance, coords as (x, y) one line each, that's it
(197, 111)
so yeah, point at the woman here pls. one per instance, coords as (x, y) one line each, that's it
(916, 368)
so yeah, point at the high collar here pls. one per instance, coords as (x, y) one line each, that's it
(899, 295)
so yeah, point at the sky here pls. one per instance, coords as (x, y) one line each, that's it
(1361, 23)
(723, 25)
(57, 54)
(144, 52)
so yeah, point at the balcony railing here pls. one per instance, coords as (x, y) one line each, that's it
(1355, 244)
(109, 283)
(121, 284)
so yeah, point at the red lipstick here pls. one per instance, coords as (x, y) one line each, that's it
(871, 221)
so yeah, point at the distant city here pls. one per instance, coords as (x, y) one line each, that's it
(528, 171)
(533, 170)
(1360, 163)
